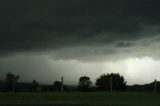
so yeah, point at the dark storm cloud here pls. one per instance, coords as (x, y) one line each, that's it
(49, 24)
(45, 39)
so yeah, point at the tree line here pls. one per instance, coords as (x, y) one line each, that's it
(105, 82)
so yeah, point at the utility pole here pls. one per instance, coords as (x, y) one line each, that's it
(155, 86)
(62, 84)
(111, 84)
(13, 84)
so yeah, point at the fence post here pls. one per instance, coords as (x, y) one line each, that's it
(111, 84)
(155, 86)
(62, 84)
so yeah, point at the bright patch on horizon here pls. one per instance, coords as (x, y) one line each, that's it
(138, 70)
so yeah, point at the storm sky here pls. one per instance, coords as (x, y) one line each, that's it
(47, 39)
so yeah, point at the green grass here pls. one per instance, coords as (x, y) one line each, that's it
(89, 98)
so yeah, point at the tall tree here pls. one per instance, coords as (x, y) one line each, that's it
(11, 80)
(84, 83)
(113, 81)
(57, 86)
(35, 85)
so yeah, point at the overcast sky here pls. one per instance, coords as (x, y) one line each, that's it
(47, 39)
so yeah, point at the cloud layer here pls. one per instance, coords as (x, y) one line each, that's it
(47, 24)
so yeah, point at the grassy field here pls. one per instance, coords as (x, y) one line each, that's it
(87, 98)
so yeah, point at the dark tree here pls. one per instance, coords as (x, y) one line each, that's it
(35, 85)
(57, 86)
(105, 81)
(84, 83)
(11, 80)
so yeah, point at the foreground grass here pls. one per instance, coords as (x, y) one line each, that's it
(84, 98)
